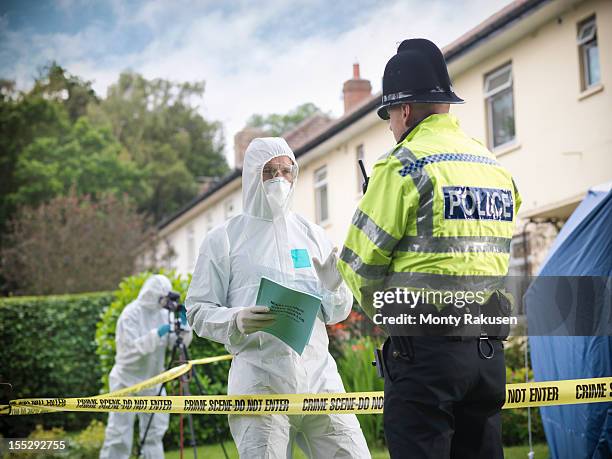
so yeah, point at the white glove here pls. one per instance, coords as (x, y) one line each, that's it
(328, 271)
(254, 318)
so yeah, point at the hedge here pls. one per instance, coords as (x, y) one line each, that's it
(49, 350)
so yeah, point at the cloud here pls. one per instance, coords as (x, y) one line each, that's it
(256, 57)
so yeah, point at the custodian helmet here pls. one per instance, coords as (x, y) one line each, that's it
(416, 74)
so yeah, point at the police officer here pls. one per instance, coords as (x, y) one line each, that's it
(438, 214)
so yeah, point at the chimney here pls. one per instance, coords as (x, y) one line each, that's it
(355, 90)
(242, 139)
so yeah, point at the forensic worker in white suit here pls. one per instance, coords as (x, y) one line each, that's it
(142, 336)
(269, 240)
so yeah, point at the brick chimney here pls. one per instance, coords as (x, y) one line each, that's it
(242, 139)
(355, 90)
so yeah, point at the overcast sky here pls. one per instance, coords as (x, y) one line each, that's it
(255, 56)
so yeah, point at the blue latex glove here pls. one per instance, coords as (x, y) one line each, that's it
(163, 330)
(183, 315)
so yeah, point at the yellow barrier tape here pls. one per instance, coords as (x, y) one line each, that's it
(166, 376)
(517, 396)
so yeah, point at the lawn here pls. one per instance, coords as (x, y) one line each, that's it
(215, 452)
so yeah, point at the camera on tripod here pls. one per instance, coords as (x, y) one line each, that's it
(172, 304)
(170, 301)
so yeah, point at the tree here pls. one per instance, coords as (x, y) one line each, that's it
(55, 83)
(82, 158)
(23, 118)
(73, 244)
(276, 124)
(162, 131)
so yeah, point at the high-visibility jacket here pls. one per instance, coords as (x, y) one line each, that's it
(438, 208)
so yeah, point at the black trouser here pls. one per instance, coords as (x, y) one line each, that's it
(443, 400)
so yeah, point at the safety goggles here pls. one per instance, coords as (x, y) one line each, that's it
(289, 172)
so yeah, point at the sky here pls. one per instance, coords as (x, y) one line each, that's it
(266, 56)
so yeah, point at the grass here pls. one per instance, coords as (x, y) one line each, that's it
(215, 452)
(520, 452)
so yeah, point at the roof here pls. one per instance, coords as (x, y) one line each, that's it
(493, 25)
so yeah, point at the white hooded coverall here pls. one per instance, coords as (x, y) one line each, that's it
(140, 353)
(232, 259)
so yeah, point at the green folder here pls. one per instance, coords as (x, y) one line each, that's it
(295, 312)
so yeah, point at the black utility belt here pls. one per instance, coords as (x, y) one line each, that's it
(403, 349)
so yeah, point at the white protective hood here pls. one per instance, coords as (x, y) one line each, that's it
(258, 153)
(154, 288)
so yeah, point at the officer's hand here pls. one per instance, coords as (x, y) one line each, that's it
(254, 318)
(163, 330)
(328, 271)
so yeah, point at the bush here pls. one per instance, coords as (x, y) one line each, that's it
(49, 350)
(357, 325)
(358, 374)
(40, 434)
(84, 445)
(88, 443)
(208, 428)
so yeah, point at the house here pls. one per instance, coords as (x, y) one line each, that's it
(536, 77)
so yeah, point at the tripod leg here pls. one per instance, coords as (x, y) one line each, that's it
(201, 390)
(141, 442)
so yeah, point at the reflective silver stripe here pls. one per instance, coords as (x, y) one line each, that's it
(361, 268)
(375, 233)
(418, 280)
(404, 156)
(424, 221)
(429, 244)
(424, 186)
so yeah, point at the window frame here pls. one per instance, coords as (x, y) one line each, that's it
(585, 43)
(359, 155)
(318, 184)
(488, 96)
(191, 247)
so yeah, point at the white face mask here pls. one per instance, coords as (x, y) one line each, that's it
(277, 190)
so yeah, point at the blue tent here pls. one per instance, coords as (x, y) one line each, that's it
(582, 248)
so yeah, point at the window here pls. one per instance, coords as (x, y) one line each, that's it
(359, 156)
(229, 209)
(589, 53)
(320, 187)
(209, 222)
(191, 250)
(500, 106)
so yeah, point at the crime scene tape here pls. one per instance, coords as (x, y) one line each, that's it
(517, 396)
(166, 376)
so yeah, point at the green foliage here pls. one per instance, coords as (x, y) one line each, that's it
(358, 375)
(88, 443)
(146, 140)
(84, 445)
(49, 350)
(55, 83)
(276, 124)
(162, 131)
(212, 376)
(85, 159)
(40, 434)
(23, 119)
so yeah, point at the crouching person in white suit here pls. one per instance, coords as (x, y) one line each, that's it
(142, 336)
